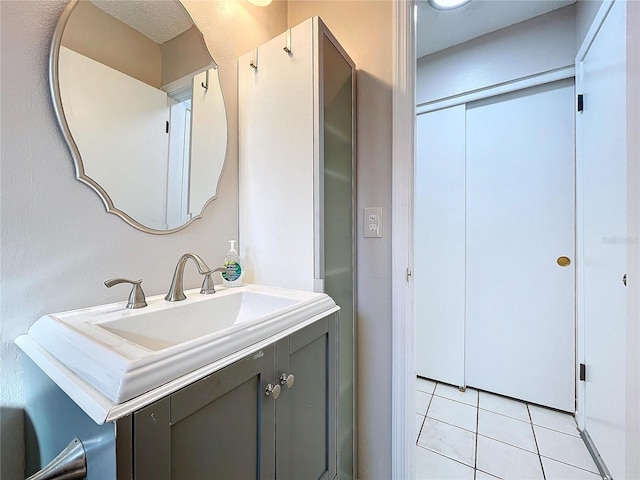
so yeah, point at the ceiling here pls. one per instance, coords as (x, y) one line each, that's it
(440, 29)
(158, 20)
(437, 29)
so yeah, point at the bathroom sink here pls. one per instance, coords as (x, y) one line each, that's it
(164, 328)
(125, 353)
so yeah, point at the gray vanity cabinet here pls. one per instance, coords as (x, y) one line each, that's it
(218, 427)
(224, 426)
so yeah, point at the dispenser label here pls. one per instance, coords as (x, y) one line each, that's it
(233, 271)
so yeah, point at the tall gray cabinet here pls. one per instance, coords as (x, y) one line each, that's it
(296, 100)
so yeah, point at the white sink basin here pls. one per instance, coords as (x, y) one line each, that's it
(163, 328)
(124, 353)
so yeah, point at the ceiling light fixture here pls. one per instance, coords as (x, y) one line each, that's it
(260, 3)
(447, 4)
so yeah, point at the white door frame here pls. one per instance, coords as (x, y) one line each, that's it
(403, 327)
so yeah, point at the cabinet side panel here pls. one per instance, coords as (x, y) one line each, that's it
(152, 442)
(124, 448)
(52, 420)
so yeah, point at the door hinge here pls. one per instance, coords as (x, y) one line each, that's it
(580, 102)
(583, 372)
(167, 127)
(409, 273)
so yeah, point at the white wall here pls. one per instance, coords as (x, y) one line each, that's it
(538, 45)
(58, 244)
(585, 13)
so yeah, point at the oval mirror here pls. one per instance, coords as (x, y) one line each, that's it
(138, 97)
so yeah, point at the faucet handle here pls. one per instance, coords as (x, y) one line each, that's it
(208, 286)
(136, 297)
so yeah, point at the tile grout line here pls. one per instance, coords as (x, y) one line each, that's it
(509, 444)
(455, 426)
(445, 456)
(570, 465)
(507, 416)
(559, 432)
(425, 417)
(457, 401)
(475, 454)
(535, 439)
(557, 428)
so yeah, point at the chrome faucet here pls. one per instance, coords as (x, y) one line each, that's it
(136, 297)
(176, 291)
(207, 285)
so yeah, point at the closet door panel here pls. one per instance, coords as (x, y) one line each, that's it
(439, 248)
(520, 332)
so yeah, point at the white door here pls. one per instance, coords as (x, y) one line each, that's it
(439, 261)
(602, 177)
(520, 328)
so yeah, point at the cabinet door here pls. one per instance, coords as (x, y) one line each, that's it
(306, 412)
(276, 164)
(220, 427)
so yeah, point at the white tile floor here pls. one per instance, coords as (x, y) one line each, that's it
(477, 435)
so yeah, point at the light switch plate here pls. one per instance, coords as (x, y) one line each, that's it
(373, 222)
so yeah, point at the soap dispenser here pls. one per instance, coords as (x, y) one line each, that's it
(235, 267)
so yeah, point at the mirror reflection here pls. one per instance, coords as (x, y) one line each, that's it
(141, 97)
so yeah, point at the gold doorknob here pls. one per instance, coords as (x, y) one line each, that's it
(564, 261)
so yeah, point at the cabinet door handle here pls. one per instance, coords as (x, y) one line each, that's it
(287, 379)
(272, 391)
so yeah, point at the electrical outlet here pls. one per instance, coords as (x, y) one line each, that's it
(373, 222)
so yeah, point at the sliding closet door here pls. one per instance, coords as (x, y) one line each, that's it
(520, 334)
(439, 245)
